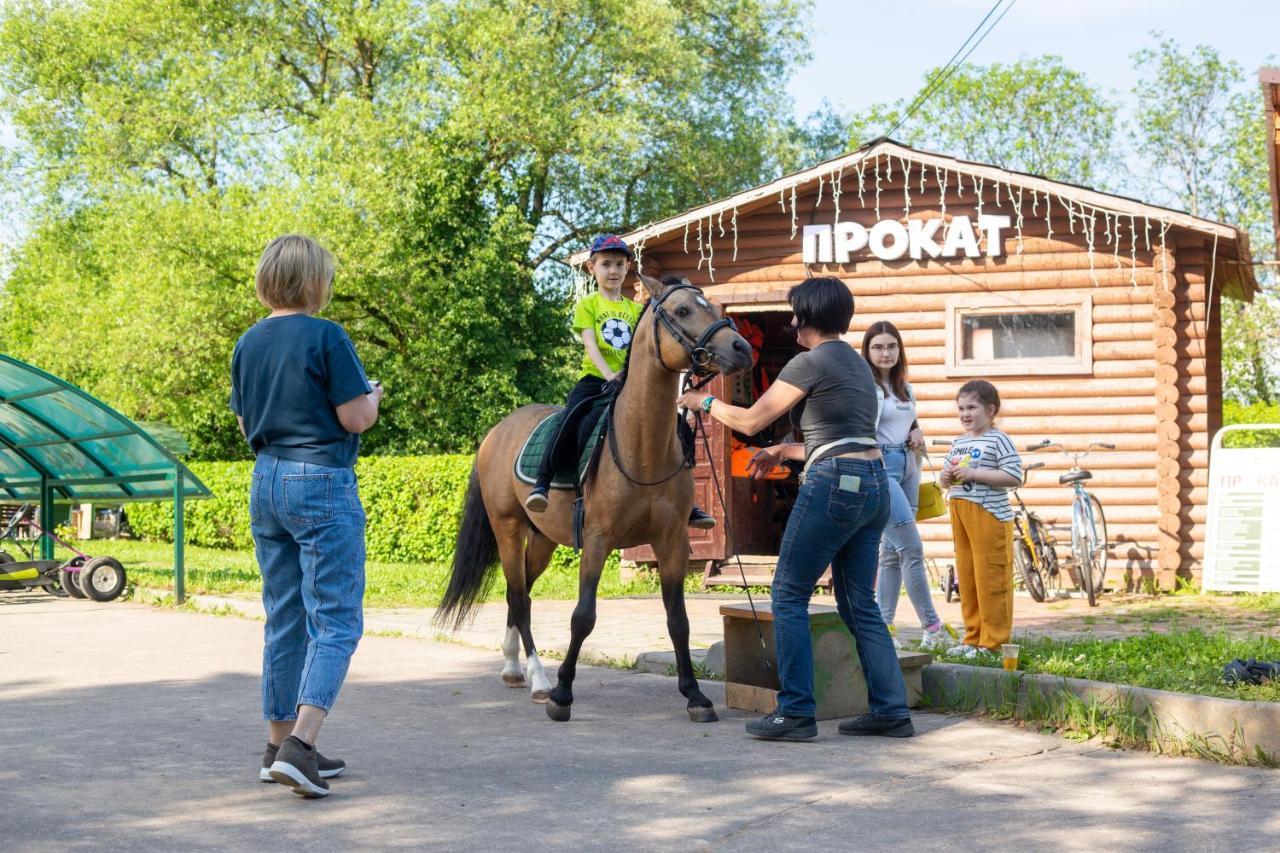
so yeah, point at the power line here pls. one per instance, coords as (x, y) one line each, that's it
(952, 64)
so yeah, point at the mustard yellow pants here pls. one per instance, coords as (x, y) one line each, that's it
(984, 571)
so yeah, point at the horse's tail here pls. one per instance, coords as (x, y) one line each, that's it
(474, 557)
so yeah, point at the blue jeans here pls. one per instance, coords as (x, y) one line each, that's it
(901, 551)
(308, 531)
(835, 526)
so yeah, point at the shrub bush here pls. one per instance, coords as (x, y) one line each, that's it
(412, 503)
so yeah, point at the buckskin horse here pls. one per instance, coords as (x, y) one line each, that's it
(640, 493)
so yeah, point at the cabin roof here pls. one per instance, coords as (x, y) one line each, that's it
(1237, 241)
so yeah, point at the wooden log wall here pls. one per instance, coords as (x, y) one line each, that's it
(1155, 385)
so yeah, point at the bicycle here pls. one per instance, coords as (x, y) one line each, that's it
(1088, 523)
(1034, 557)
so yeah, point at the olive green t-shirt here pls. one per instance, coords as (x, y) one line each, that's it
(614, 322)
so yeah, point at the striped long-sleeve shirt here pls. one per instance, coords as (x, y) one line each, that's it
(993, 449)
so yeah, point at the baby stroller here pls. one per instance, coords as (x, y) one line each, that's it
(98, 578)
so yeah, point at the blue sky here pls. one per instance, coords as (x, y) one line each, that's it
(867, 51)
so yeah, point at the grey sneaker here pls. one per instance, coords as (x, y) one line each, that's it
(700, 520)
(329, 767)
(775, 726)
(865, 724)
(296, 766)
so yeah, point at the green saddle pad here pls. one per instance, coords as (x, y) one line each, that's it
(534, 446)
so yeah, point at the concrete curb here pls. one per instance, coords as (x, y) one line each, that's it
(1233, 726)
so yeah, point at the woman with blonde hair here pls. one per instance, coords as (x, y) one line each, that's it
(302, 400)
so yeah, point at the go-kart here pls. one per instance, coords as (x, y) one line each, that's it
(99, 578)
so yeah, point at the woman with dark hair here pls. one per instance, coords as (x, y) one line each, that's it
(900, 439)
(838, 516)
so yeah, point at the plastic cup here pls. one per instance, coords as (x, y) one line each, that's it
(1009, 651)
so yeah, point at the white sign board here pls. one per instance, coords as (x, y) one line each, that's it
(890, 240)
(1242, 549)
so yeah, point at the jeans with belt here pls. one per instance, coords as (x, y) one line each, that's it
(837, 520)
(901, 550)
(308, 532)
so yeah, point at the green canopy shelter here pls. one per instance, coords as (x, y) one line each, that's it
(59, 444)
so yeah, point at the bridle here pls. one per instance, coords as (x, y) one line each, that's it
(700, 360)
(700, 357)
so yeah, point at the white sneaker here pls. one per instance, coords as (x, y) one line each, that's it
(896, 644)
(935, 639)
(963, 651)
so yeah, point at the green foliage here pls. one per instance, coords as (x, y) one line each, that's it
(1201, 134)
(412, 504)
(443, 150)
(1035, 115)
(1257, 413)
(1185, 661)
(1251, 349)
(412, 583)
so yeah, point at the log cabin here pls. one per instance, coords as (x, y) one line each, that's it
(1096, 316)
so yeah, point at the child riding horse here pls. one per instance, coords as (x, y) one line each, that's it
(640, 494)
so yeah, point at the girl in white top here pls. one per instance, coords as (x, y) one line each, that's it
(899, 437)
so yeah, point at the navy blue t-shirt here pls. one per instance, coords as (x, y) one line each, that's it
(288, 375)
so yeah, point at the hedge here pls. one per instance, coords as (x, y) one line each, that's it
(412, 503)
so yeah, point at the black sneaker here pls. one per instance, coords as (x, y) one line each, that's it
(537, 500)
(866, 724)
(296, 766)
(700, 520)
(777, 727)
(328, 767)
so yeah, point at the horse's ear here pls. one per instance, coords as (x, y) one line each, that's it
(653, 288)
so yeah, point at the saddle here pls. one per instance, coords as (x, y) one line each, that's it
(590, 431)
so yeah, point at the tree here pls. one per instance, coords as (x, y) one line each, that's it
(1034, 115)
(1200, 132)
(445, 150)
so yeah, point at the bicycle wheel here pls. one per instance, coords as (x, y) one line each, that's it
(1100, 544)
(1050, 572)
(1028, 574)
(935, 574)
(1082, 548)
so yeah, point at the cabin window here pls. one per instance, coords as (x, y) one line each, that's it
(1008, 337)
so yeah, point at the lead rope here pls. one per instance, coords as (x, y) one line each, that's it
(728, 528)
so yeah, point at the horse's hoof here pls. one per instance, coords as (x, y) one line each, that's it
(540, 696)
(703, 715)
(513, 679)
(559, 713)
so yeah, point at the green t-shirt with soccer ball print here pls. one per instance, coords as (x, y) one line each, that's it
(614, 322)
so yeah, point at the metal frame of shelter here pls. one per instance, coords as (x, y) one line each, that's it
(58, 443)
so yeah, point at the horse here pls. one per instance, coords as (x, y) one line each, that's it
(640, 493)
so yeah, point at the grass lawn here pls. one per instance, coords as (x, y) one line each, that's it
(217, 572)
(1183, 660)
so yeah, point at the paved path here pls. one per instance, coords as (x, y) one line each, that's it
(128, 727)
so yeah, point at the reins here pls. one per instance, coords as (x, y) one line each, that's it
(700, 358)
